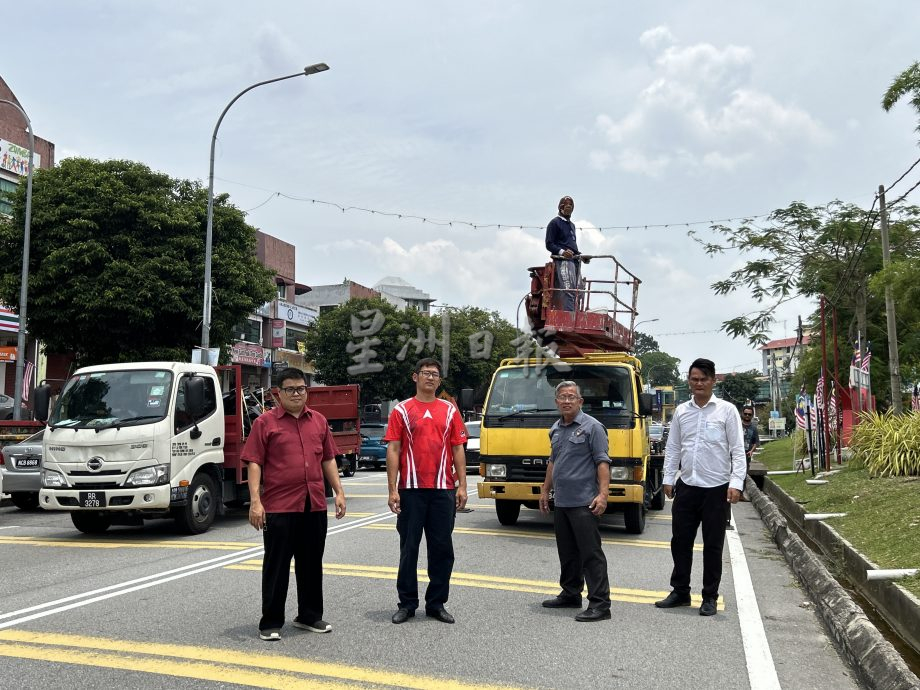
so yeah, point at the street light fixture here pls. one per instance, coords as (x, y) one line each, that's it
(206, 309)
(644, 321)
(24, 287)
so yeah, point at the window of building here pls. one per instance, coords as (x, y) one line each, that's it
(282, 291)
(249, 331)
(6, 190)
(291, 338)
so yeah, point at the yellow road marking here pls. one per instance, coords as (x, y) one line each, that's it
(246, 668)
(647, 543)
(507, 584)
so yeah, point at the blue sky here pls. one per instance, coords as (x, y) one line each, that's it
(647, 114)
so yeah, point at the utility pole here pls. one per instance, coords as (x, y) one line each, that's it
(893, 365)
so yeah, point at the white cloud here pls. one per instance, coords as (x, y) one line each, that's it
(699, 110)
(654, 39)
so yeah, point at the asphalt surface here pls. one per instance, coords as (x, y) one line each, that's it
(150, 608)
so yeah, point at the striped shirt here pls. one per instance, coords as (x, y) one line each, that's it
(427, 432)
(707, 445)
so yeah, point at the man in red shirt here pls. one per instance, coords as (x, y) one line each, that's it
(426, 474)
(289, 450)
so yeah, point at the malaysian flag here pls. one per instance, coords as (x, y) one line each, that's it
(27, 380)
(803, 410)
(867, 358)
(857, 356)
(819, 393)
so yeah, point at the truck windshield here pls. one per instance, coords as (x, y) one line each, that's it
(113, 398)
(606, 389)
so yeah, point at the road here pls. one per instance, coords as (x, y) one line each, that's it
(149, 608)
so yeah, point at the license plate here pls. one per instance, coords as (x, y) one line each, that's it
(92, 499)
(28, 462)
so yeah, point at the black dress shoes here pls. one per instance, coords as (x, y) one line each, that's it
(561, 602)
(402, 615)
(672, 600)
(439, 614)
(590, 615)
(708, 608)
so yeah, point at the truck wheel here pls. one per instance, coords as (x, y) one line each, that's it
(634, 517)
(197, 515)
(90, 522)
(25, 500)
(508, 512)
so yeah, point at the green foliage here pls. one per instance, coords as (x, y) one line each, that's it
(887, 445)
(660, 368)
(906, 83)
(643, 343)
(116, 262)
(741, 387)
(399, 341)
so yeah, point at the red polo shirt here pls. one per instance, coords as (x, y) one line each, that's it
(291, 451)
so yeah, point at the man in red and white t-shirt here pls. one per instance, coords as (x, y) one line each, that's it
(426, 474)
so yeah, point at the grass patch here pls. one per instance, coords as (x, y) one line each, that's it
(883, 514)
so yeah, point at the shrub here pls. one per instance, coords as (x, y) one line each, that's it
(887, 445)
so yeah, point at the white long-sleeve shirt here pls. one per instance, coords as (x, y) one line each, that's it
(707, 444)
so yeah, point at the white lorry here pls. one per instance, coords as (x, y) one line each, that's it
(145, 440)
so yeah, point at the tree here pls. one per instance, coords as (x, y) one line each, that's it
(741, 387)
(907, 82)
(399, 339)
(642, 343)
(471, 365)
(660, 368)
(117, 260)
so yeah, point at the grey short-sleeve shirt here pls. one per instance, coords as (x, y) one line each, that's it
(577, 449)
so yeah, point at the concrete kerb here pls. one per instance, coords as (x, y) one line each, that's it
(875, 660)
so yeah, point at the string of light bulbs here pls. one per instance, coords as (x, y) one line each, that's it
(444, 222)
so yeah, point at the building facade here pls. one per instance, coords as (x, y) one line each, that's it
(14, 168)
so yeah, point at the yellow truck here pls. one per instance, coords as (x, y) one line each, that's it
(590, 347)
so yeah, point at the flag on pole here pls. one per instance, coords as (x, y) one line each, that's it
(819, 393)
(27, 380)
(867, 358)
(857, 356)
(803, 409)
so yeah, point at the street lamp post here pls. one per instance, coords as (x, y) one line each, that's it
(644, 321)
(24, 287)
(206, 309)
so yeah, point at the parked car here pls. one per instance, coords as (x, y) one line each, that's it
(472, 445)
(21, 471)
(655, 431)
(6, 408)
(373, 451)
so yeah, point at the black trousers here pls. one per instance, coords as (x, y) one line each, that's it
(301, 536)
(693, 506)
(431, 511)
(581, 557)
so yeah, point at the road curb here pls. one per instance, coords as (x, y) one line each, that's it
(876, 662)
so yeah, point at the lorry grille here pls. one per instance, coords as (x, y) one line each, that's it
(526, 473)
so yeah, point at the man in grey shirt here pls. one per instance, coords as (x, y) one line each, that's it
(579, 474)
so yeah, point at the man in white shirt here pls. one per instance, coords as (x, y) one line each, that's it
(706, 445)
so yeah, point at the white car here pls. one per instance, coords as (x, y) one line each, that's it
(472, 445)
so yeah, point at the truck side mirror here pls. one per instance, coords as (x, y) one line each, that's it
(194, 396)
(42, 401)
(646, 403)
(466, 399)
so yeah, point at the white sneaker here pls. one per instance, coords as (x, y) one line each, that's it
(271, 635)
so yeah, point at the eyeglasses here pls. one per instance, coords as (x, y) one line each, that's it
(295, 390)
(567, 398)
(429, 374)
(747, 414)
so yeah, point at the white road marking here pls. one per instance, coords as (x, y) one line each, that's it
(117, 590)
(10, 527)
(757, 655)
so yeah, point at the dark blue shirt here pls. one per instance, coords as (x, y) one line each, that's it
(560, 235)
(576, 451)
